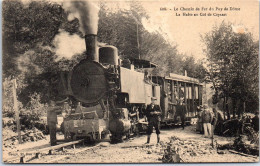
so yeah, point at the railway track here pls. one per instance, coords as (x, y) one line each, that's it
(50, 153)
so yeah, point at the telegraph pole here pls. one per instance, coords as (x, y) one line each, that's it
(137, 38)
(17, 118)
(137, 35)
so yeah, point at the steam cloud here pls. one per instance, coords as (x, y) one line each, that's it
(86, 12)
(68, 45)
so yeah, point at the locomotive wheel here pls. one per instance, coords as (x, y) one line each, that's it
(62, 128)
(113, 139)
(69, 136)
(134, 129)
(46, 130)
(128, 134)
(116, 138)
(89, 140)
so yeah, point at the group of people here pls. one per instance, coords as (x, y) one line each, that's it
(208, 120)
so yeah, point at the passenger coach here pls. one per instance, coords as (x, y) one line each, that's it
(174, 87)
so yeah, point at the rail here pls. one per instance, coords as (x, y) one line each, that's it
(38, 152)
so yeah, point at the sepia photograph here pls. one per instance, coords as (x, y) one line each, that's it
(130, 81)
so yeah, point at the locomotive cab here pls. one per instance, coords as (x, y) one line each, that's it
(136, 90)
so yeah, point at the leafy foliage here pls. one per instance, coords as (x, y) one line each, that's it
(233, 64)
(25, 27)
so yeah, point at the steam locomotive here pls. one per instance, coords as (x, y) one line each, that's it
(115, 93)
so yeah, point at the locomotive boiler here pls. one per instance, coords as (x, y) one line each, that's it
(113, 93)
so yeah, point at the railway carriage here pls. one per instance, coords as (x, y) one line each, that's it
(174, 87)
(115, 92)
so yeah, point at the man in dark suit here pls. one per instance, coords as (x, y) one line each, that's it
(52, 120)
(181, 111)
(153, 112)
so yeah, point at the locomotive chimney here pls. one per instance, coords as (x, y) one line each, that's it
(91, 46)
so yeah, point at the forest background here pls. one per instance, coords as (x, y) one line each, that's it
(38, 43)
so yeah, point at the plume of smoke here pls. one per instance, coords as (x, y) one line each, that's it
(67, 45)
(86, 12)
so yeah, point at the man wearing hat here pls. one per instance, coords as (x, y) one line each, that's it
(181, 111)
(153, 112)
(199, 126)
(207, 118)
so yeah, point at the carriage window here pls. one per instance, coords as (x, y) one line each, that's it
(196, 92)
(190, 93)
(169, 88)
(187, 91)
(153, 91)
(182, 92)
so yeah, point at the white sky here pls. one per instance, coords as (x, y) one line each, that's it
(185, 31)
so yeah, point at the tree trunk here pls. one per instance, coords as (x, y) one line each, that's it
(240, 108)
(224, 108)
(228, 112)
(244, 107)
(227, 109)
(234, 111)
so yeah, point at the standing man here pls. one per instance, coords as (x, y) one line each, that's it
(214, 120)
(255, 121)
(199, 126)
(207, 118)
(217, 122)
(79, 108)
(181, 109)
(153, 112)
(52, 120)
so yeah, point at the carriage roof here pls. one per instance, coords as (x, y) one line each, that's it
(141, 63)
(182, 78)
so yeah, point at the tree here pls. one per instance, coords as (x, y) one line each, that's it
(28, 50)
(193, 69)
(233, 65)
(24, 28)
